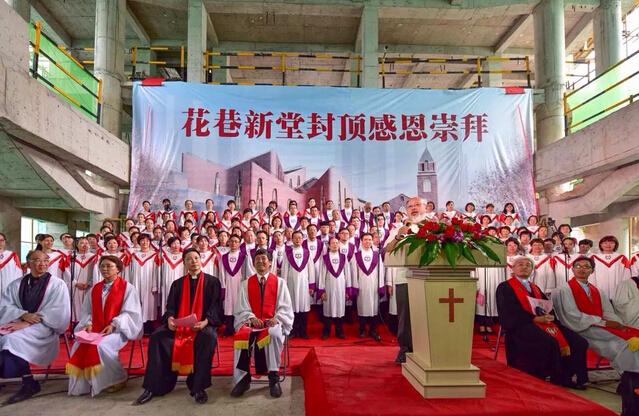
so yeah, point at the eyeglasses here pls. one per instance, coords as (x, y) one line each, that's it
(578, 267)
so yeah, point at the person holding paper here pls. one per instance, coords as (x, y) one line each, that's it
(176, 348)
(263, 317)
(34, 311)
(111, 309)
(536, 342)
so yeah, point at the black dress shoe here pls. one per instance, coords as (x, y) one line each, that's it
(573, 385)
(375, 336)
(144, 398)
(362, 333)
(201, 397)
(401, 357)
(26, 392)
(276, 390)
(242, 386)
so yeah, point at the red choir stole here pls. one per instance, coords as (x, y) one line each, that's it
(85, 362)
(183, 344)
(592, 306)
(263, 308)
(550, 328)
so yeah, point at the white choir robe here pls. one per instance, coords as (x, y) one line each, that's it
(604, 343)
(82, 273)
(278, 259)
(610, 270)
(626, 302)
(563, 267)
(317, 249)
(128, 326)
(544, 273)
(284, 316)
(231, 272)
(634, 265)
(488, 278)
(10, 269)
(299, 282)
(390, 281)
(144, 275)
(334, 287)
(368, 281)
(172, 269)
(38, 343)
(57, 263)
(209, 260)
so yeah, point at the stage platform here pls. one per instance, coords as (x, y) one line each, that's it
(358, 377)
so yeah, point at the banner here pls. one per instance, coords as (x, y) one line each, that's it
(196, 141)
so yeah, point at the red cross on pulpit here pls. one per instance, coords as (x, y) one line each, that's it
(451, 300)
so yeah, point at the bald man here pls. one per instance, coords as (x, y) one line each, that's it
(416, 210)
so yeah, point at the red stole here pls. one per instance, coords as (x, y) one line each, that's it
(85, 362)
(550, 328)
(263, 307)
(183, 354)
(592, 306)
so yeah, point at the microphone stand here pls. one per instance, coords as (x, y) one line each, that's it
(566, 257)
(73, 256)
(161, 275)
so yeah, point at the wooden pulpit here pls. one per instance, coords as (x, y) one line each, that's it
(442, 312)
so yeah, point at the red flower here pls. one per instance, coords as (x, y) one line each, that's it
(477, 228)
(456, 221)
(423, 231)
(449, 231)
(431, 237)
(476, 236)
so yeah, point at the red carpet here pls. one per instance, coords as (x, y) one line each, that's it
(358, 377)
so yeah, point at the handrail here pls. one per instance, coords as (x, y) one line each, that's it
(606, 93)
(85, 94)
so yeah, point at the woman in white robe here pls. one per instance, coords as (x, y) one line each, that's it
(125, 325)
(79, 275)
(171, 269)
(10, 268)
(368, 282)
(144, 274)
(298, 270)
(334, 287)
(611, 268)
(231, 272)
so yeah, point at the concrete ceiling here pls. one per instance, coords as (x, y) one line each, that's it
(438, 29)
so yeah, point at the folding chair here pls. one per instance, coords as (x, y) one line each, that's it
(65, 338)
(141, 344)
(284, 364)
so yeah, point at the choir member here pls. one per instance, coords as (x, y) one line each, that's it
(140, 223)
(328, 210)
(525, 237)
(57, 260)
(277, 248)
(488, 279)
(231, 271)
(292, 217)
(449, 213)
(367, 218)
(542, 232)
(231, 205)
(188, 209)
(585, 246)
(185, 350)
(314, 216)
(245, 223)
(144, 275)
(565, 230)
(263, 316)
(509, 211)
(207, 256)
(310, 204)
(346, 213)
(112, 248)
(490, 211)
(512, 251)
(276, 225)
(536, 342)
(544, 267)
(368, 282)
(225, 221)
(298, 270)
(531, 224)
(611, 268)
(112, 309)
(10, 267)
(334, 288)
(68, 243)
(34, 311)
(208, 214)
(469, 212)
(79, 275)
(146, 211)
(171, 269)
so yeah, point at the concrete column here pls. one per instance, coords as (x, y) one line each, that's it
(550, 49)
(607, 29)
(369, 46)
(196, 42)
(110, 26)
(493, 80)
(22, 7)
(10, 220)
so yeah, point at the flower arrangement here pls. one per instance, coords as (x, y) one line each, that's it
(454, 240)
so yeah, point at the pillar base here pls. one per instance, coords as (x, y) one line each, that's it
(435, 383)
